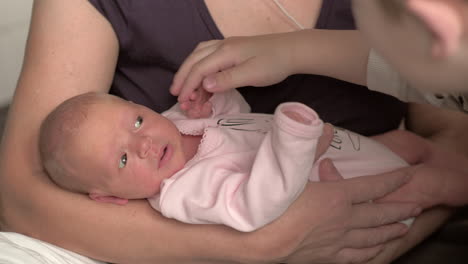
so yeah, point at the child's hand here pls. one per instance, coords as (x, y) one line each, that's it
(219, 65)
(198, 104)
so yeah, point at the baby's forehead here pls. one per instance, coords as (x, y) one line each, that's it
(110, 103)
(110, 115)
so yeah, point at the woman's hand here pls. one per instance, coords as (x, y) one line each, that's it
(440, 179)
(431, 186)
(439, 174)
(333, 222)
(417, 189)
(219, 65)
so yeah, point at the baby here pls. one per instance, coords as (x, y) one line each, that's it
(231, 167)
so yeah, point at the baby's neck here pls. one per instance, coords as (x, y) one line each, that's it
(190, 145)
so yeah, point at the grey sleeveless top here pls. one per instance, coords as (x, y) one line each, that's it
(156, 35)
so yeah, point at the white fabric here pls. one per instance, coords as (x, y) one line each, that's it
(19, 249)
(381, 77)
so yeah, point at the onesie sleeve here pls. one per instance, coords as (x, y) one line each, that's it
(381, 77)
(282, 164)
(229, 102)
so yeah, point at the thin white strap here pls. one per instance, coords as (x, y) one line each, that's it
(286, 13)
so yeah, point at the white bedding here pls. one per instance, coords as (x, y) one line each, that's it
(19, 249)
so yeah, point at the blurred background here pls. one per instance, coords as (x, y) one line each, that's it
(14, 23)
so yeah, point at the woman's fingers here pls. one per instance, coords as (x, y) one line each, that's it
(350, 227)
(362, 245)
(368, 215)
(371, 237)
(351, 255)
(327, 171)
(368, 188)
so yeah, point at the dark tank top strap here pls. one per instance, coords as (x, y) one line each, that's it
(208, 19)
(335, 14)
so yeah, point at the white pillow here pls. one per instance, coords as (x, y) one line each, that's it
(19, 249)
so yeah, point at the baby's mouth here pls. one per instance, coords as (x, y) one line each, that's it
(165, 155)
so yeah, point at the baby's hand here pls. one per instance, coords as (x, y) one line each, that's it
(198, 105)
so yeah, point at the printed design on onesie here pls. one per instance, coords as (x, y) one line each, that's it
(251, 123)
(340, 135)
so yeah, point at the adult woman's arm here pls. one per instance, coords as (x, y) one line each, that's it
(72, 49)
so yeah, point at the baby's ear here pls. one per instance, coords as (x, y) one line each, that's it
(108, 199)
(444, 21)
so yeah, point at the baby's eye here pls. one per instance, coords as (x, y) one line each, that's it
(139, 122)
(123, 161)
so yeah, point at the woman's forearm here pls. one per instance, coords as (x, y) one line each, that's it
(134, 233)
(57, 67)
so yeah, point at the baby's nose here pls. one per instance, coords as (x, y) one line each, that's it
(144, 146)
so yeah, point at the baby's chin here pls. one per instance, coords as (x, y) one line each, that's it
(179, 165)
(176, 164)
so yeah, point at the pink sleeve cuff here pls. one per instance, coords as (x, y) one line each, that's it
(301, 121)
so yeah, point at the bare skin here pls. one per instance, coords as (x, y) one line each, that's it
(57, 67)
(225, 64)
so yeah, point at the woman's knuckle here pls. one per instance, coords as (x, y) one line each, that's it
(381, 218)
(337, 200)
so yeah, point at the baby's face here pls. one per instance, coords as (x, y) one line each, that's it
(127, 149)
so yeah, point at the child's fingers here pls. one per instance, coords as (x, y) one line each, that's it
(203, 50)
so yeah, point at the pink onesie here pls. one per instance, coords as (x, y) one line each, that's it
(250, 167)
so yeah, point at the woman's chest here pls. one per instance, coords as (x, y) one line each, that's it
(254, 17)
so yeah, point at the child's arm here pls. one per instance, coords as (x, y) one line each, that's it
(283, 163)
(268, 59)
